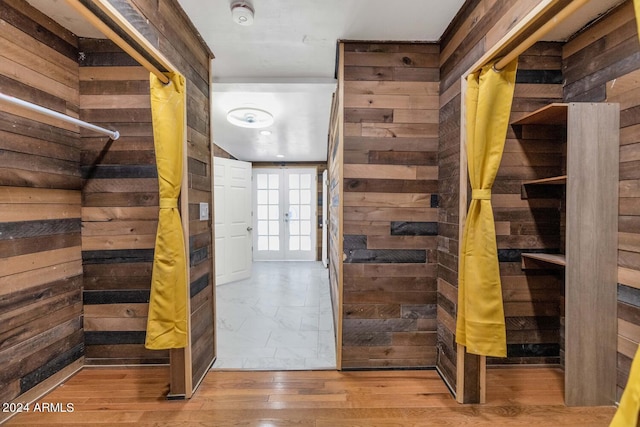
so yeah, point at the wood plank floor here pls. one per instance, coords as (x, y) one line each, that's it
(135, 397)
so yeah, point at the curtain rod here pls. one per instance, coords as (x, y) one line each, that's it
(540, 32)
(113, 134)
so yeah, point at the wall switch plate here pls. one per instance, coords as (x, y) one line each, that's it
(204, 211)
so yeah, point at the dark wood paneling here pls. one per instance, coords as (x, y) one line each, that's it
(51, 367)
(603, 64)
(403, 228)
(335, 223)
(389, 310)
(448, 217)
(168, 29)
(27, 325)
(202, 335)
(532, 314)
(116, 297)
(390, 185)
(40, 262)
(39, 353)
(26, 229)
(29, 25)
(117, 256)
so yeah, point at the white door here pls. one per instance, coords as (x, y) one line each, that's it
(325, 219)
(233, 225)
(285, 214)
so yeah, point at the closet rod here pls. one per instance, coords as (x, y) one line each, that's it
(113, 134)
(540, 32)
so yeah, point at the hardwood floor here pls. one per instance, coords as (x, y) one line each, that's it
(135, 397)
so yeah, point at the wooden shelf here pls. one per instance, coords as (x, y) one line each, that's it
(557, 259)
(555, 180)
(552, 114)
(543, 188)
(591, 134)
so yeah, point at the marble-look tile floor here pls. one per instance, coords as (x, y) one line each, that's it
(279, 319)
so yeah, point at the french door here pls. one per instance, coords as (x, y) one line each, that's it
(285, 214)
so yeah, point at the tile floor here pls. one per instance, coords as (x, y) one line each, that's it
(279, 319)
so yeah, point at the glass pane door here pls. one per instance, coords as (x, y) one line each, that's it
(267, 215)
(285, 214)
(298, 214)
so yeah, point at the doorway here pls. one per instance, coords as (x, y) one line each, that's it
(233, 227)
(285, 214)
(279, 318)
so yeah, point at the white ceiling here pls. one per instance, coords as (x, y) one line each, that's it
(297, 38)
(285, 62)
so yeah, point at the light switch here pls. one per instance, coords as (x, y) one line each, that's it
(204, 211)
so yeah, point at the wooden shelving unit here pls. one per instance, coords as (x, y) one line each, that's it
(554, 180)
(557, 259)
(549, 187)
(590, 258)
(552, 114)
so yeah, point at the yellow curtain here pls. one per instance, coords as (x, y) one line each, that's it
(167, 321)
(627, 413)
(480, 322)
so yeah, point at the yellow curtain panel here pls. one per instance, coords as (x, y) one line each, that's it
(167, 321)
(480, 323)
(628, 413)
(629, 409)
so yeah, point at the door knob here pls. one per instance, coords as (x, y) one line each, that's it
(249, 228)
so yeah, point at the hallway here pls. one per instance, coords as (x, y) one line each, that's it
(279, 319)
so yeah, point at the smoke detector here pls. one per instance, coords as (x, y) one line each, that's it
(242, 13)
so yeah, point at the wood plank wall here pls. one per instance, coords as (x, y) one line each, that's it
(476, 28)
(174, 35)
(603, 64)
(533, 297)
(40, 249)
(219, 152)
(121, 196)
(335, 166)
(319, 167)
(390, 204)
(120, 206)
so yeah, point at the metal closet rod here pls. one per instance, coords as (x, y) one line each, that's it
(113, 134)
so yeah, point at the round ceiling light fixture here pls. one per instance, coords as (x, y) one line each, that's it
(248, 117)
(242, 13)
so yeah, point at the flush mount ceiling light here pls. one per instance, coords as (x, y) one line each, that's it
(250, 117)
(242, 13)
